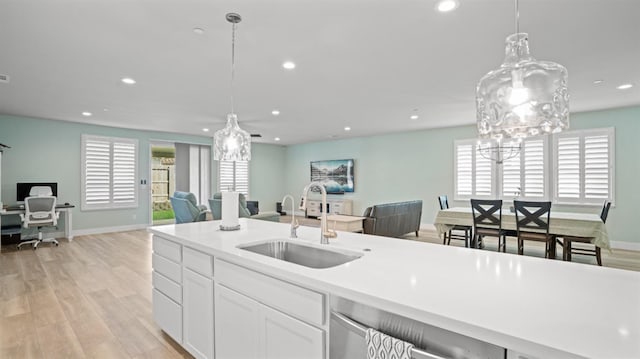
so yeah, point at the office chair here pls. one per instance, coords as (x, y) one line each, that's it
(39, 212)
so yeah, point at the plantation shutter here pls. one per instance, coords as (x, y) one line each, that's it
(473, 173)
(568, 168)
(596, 167)
(109, 167)
(483, 176)
(584, 162)
(227, 178)
(511, 184)
(464, 170)
(534, 168)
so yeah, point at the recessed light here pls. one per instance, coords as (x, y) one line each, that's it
(289, 65)
(277, 139)
(596, 82)
(414, 117)
(105, 109)
(198, 30)
(205, 129)
(447, 5)
(347, 128)
(87, 114)
(624, 87)
(128, 80)
(275, 112)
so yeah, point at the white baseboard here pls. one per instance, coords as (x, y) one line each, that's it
(629, 246)
(427, 227)
(89, 231)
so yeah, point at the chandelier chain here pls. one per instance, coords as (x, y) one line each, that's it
(233, 63)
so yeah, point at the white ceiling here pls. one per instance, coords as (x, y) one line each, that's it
(367, 64)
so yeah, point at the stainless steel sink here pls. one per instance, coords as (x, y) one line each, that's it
(308, 256)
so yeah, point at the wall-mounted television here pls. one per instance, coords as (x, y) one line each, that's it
(335, 175)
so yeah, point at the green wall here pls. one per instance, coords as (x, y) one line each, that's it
(419, 165)
(49, 151)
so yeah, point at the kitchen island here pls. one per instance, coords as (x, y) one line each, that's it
(542, 308)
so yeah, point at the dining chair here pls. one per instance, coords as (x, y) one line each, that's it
(468, 231)
(487, 221)
(567, 241)
(532, 224)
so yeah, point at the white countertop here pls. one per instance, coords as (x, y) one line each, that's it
(546, 308)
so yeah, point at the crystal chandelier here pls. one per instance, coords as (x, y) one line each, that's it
(524, 97)
(232, 143)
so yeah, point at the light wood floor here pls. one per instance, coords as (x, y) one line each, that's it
(91, 298)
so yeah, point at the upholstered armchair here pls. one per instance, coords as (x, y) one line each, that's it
(243, 211)
(186, 208)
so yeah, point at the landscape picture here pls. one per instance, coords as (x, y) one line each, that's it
(335, 175)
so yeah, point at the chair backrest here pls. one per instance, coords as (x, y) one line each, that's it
(40, 191)
(216, 206)
(532, 216)
(444, 202)
(40, 211)
(487, 213)
(185, 207)
(605, 211)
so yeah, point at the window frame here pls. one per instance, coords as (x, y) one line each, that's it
(550, 169)
(85, 138)
(582, 134)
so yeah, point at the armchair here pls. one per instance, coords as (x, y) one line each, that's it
(186, 208)
(243, 210)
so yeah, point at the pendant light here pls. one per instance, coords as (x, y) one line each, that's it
(524, 97)
(232, 143)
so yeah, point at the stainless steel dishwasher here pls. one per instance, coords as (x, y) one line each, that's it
(349, 321)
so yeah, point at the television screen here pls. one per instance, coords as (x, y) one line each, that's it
(23, 189)
(335, 175)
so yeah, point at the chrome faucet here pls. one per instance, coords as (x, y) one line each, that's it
(294, 223)
(325, 232)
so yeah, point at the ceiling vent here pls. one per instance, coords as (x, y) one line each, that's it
(256, 135)
(4, 78)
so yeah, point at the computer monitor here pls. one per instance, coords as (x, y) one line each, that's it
(23, 189)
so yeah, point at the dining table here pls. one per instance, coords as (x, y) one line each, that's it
(561, 224)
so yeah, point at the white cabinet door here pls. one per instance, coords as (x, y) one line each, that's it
(289, 338)
(197, 304)
(237, 331)
(246, 329)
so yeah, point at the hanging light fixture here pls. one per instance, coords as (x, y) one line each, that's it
(499, 151)
(232, 143)
(524, 97)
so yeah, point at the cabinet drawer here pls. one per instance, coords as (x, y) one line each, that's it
(168, 287)
(166, 248)
(198, 262)
(168, 315)
(167, 268)
(299, 302)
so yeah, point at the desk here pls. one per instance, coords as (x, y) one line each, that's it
(345, 223)
(66, 208)
(560, 223)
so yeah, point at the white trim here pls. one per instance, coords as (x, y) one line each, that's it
(629, 246)
(101, 230)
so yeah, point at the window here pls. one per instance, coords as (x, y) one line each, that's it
(574, 167)
(585, 166)
(524, 176)
(474, 174)
(109, 167)
(233, 175)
